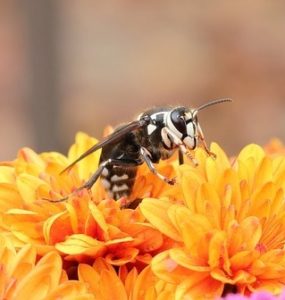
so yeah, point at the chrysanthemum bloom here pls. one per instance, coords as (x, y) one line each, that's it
(220, 228)
(88, 224)
(106, 283)
(21, 277)
(231, 226)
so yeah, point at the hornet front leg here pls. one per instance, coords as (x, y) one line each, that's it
(181, 146)
(204, 144)
(147, 158)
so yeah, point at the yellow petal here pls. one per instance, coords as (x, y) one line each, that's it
(31, 156)
(81, 244)
(216, 167)
(9, 197)
(155, 210)
(27, 186)
(38, 283)
(264, 173)
(252, 232)
(186, 260)
(7, 174)
(251, 151)
(167, 269)
(190, 182)
(242, 260)
(208, 203)
(99, 218)
(88, 165)
(218, 252)
(25, 256)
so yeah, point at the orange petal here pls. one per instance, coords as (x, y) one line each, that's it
(99, 218)
(208, 203)
(167, 269)
(108, 279)
(155, 210)
(218, 252)
(88, 275)
(56, 228)
(81, 244)
(25, 256)
(252, 232)
(70, 290)
(145, 236)
(38, 283)
(186, 260)
(130, 281)
(192, 227)
(144, 282)
(190, 182)
(122, 256)
(199, 286)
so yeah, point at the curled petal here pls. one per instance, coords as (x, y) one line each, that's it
(77, 244)
(155, 210)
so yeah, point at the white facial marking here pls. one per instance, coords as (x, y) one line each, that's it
(118, 188)
(150, 129)
(165, 138)
(190, 129)
(170, 125)
(105, 172)
(118, 178)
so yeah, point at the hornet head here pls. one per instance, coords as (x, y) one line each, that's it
(183, 124)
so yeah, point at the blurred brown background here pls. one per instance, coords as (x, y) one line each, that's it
(72, 65)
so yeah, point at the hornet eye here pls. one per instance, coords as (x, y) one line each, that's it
(178, 121)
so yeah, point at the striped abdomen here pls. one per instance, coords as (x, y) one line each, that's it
(118, 181)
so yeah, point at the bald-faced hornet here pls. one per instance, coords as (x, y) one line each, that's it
(155, 135)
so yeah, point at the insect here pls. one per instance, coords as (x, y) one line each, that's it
(156, 134)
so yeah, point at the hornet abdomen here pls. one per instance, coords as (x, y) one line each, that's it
(118, 178)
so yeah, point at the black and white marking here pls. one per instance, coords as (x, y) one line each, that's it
(155, 135)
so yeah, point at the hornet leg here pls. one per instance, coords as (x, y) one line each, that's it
(147, 158)
(205, 146)
(180, 157)
(181, 146)
(114, 162)
(90, 182)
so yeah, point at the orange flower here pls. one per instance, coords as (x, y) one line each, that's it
(231, 226)
(104, 283)
(221, 227)
(21, 277)
(88, 225)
